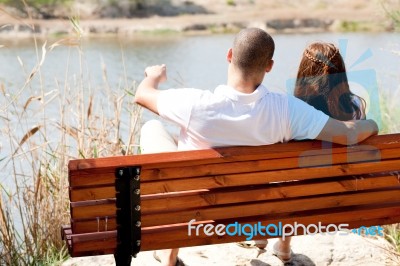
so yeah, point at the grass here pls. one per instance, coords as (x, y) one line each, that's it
(231, 2)
(44, 129)
(392, 235)
(357, 26)
(392, 11)
(390, 111)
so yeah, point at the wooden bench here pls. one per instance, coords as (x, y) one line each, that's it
(120, 205)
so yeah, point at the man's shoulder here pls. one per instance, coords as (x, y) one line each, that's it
(275, 95)
(182, 90)
(273, 91)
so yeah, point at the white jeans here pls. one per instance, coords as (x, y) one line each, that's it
(154, 138)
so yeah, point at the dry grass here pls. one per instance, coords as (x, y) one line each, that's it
(391, 124)
(73, 120)
(391, 120)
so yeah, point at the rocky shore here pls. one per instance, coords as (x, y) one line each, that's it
(128, 27)
(204, 16)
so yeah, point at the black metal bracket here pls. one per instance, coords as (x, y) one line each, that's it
(127, 187)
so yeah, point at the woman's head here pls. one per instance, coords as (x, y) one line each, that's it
(322, 82)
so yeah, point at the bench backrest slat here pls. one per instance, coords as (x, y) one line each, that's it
(253, 178)
(281, 150)
(228, 196)
(260, 208)
(106, 176)
(213, 199)
(159, 238)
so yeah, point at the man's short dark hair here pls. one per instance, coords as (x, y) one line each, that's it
(253, 49)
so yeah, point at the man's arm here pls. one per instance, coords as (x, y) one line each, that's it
(347, 132)
(147, 91)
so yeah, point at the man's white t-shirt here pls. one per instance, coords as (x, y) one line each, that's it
(227, 117)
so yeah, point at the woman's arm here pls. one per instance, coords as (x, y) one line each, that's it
(348, 132)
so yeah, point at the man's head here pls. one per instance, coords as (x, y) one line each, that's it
(252, 51)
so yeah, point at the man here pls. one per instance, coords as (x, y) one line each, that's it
(243, 112)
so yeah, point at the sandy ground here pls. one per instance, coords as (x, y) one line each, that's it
(317, 250)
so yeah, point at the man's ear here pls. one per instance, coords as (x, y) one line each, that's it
(229, 55)
(269, 66)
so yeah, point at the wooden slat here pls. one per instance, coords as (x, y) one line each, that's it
(246, 209)
(102, 208)
(101, 166)
(273, 164)
(94, 225)
(92, 202)
(177, 236)
(340, 160)
(92, 211)
(65, 230)
(235, 153)
(143, 159)
(93, 236)
(202, 198)
(66, 233)
(95, 245)
(244, 179)
(278, 206)
(92, 193)
(307, 159)
(286, 190)
(381, 142)
(85, 177)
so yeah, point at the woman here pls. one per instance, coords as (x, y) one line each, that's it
(322, 82)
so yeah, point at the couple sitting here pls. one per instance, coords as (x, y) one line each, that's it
(244, 112)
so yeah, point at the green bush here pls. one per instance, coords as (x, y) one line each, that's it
(230, 2)
(35, 3)
(392, 10)
(38, 8)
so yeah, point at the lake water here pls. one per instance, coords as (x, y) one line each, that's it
(192, 61)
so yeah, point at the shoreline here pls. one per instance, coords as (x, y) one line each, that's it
(279, 20)
(133, 27)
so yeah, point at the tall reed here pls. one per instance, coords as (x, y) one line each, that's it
(42, 129)
(391, 116)
(390, 111)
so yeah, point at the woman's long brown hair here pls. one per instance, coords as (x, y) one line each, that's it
(322, 82)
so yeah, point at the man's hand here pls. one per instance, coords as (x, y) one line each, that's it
(147, 91)
(158, 72)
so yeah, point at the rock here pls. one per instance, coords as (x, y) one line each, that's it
(300, 24)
